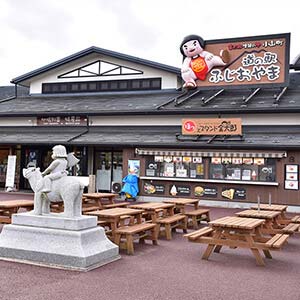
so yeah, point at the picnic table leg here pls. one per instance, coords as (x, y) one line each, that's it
(255, 251)
(267, 254)
(129, 244)
(211, 247)
(154, 235)
(218, 248)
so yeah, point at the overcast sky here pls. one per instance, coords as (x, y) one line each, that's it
(38, 32)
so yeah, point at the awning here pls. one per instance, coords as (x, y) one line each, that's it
(267, 154)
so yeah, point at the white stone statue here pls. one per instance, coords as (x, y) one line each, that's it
(56, 186)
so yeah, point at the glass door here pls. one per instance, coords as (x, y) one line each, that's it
(108, 167)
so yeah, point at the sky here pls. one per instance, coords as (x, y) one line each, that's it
(35, 33)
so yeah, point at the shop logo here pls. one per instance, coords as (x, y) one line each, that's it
(189, 126)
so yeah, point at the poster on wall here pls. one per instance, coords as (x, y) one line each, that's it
(134, 167)
(151, 168)
(153, 188)
(291, 181)
(205, 191)
(234, 193)
(291, 185)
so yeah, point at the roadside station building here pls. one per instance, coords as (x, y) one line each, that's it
(225, 142)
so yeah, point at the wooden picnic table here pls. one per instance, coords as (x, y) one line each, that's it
(163, 215)
(237, 232)
(283, 219)
(9, 207)
(272, 219)
(100, 197)
(194, 217)
(181, 203)
(113, 216)
(274, 207)
(154, 208)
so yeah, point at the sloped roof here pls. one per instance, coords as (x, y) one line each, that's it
(9, 91)
(296, 63)
(254, 137)
(98, 50)
(162, 102)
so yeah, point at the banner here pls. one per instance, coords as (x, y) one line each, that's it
(11, 171)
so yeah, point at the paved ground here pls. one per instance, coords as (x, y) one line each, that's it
(171, 270)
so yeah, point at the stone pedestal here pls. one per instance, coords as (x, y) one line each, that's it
(55, 241)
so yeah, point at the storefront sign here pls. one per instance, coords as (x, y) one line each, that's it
(205, 191)
(180, 190)
(152, 188)
(234, 193)
(61, 121)
(250, 61)
(215, 126)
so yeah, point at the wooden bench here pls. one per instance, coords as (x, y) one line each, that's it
(114, 205)
(137, 231)
(206, 231)
(277, 241)
(172, 222)
(197, 216)
(86, 209)
(57, 207)
(295, 219)
(291, 228)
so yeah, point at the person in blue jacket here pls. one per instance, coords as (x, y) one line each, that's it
(131, 187)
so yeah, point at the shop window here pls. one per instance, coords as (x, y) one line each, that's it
(216, 171)
(92, 86)
(246, 169)
(174, 166)
(74, 87)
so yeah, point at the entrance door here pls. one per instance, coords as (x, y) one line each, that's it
(108, 166)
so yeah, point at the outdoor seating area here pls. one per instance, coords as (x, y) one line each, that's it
(9, 207)
(257, 230)
(175, 258)
(265, 228)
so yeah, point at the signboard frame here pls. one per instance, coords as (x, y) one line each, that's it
(214, 126)
(214, 46)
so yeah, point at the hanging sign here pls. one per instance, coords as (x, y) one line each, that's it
(215, 126)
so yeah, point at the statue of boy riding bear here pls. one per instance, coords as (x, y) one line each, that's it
(197, 62)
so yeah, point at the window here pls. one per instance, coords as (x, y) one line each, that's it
(174, 166)
(100, 86)
(248, 169)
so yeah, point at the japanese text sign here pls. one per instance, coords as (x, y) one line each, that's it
(212, 126)
(250, 62)
(61, 121)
